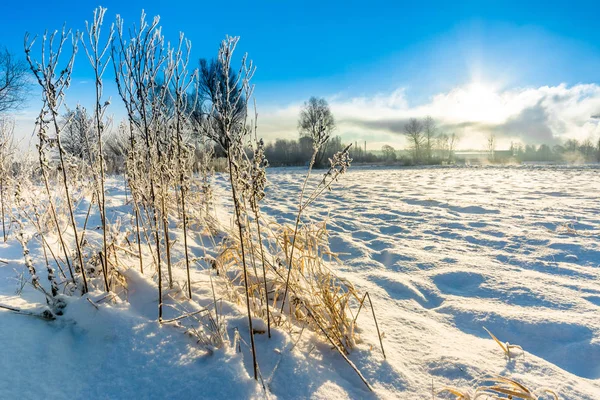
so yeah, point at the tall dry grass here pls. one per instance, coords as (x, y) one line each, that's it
(281, 273)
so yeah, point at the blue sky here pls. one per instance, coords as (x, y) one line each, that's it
(399, 55)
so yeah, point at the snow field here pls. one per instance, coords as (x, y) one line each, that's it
(443, 252)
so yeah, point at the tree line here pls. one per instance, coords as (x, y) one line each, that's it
(427, 143)
(571, 151)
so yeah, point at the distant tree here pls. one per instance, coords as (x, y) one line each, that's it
(115, 150)
(531, 152)
(13, 82)
(571, 145)
(587, 149)
(441, 145)
(544, 153)
(445, 145)
(78, 138)
(284, 152)
(212, 89)
(332, 146)
(558, 150)
(316, 121)
(452, 146)
(414, 132)
(305, 145)
(389, 153)
(429, 133)
(491, 146)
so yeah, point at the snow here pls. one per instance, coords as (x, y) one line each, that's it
(443, 252)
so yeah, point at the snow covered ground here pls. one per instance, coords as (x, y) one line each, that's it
(442, 251)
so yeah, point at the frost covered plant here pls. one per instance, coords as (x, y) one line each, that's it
(53, 83)
(28, 211)
(138, 58)
(206, 329)
(340, 161)
(259, 182)
(316, 296)
(206, 172)
(35, 280)
(258, 175)
(132, 167)
(7, 150)
(339, 165)
(230, 93)
(181, 81)
(54, 300)
(97, 54)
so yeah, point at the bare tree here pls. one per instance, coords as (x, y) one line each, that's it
(491, 146)
(13, 81)
(452, 145)
(389, 153)
(587, 149)
(429, 131)
(572, 145)
(442, 145)
(446, 143)
(414, 132)
(316, 121)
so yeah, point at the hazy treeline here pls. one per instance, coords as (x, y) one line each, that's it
(571, 151)
(429, 145)
(434, 147)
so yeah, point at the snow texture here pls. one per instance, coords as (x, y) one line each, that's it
(443, 252)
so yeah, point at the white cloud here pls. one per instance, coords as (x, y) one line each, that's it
(530, 115)
(548, 114)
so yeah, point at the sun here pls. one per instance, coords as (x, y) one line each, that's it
(481, 102)
(476, 101)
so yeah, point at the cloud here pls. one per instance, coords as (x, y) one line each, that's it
(530, 125)
(548, 114)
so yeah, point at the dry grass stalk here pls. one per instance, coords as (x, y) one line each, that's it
(379, 335)
(501, 388)
(318, 298)
(506, 347)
